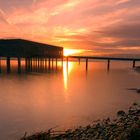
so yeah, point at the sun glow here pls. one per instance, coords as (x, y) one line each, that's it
(67, 68)
(68, 52)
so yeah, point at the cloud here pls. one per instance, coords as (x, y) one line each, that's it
(2, 17)
(92, 24)
(8, 5)
(123, 31)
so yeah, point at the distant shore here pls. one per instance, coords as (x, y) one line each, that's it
(125, 127)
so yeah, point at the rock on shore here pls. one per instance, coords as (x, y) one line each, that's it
(125, 127)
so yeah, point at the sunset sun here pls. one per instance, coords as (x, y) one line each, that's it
(68, 52)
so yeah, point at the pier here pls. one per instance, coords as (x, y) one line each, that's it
(37, 56)
(107, 59)
(46, 64)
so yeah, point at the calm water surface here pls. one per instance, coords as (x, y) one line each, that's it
(67, 98)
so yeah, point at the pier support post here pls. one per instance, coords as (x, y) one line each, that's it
(38, 64)
(26, 65)
(8, 65)
(79, 61)
(108, 64)
(0, 64)
(86, 64)
(134, 63)
(49, 65)
(45, 63)
(41, 64)
(56, 63)
(35, 64)
(31, 64)
(19, 65)
(52, 63)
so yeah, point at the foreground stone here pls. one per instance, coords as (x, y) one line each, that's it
(125, 127)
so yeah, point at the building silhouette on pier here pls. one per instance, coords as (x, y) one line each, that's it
(28, 50)
(25, 48)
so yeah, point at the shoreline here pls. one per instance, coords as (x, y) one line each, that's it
(126, 126)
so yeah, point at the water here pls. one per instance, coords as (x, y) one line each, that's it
(34, 102)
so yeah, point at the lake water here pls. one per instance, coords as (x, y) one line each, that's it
(66, 98)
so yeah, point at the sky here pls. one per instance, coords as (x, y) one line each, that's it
(103, 26)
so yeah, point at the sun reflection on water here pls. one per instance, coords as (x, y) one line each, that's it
(67, 68)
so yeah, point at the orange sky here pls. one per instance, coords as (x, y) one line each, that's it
(106, 27)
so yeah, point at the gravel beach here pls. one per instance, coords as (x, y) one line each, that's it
(126, 126)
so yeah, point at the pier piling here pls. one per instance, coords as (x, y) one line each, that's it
(79, 60)
(19, 65)
(49, 66)
(108, 64)
(52, 63)
(56, 63)
(0, 64)
(8, 65)
(134, 63)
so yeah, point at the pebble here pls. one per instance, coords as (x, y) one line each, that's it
(121, 113)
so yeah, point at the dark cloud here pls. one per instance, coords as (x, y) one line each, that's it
(98, 11)
(128, 43)
(118, 44)
(111, 7)
(7, 5)
(129, 4)
(122, 31)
